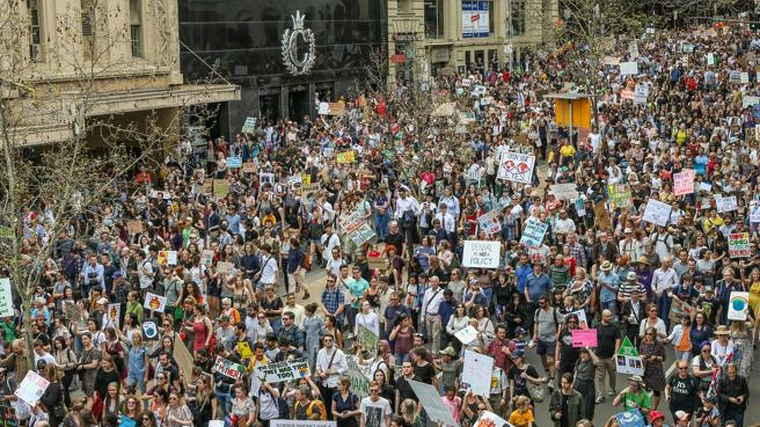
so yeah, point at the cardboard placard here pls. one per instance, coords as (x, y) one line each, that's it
(481, 254)
(283, 371)
(476, 372)
(534, 233)
(134, 226)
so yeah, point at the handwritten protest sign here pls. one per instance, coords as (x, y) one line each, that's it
(602, 216)
(6, 298)
(516, 167)
(228, 368)
(234, 162)
(249, 167)
(249, 126)
(283, 371)
(155, 302)
(362, 235)
(534, 233)
(134, 226)
(657, 212)
(221, 187)
(738, 245)
(300, 423)
(619, 196)
(481, 254)
(683, 182)
(726, 204)
(629, 68)
(467, 335)
(432, 402)
(476, 372)
(366, 338)
(377, 263)
(738, 306)
(564, 191)
(489, 222)
(167, 258)
(641, 94)
(32, 388)
(584, 338)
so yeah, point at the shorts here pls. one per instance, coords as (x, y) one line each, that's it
(546, 348)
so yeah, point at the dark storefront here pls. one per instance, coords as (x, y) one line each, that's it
(242, 40)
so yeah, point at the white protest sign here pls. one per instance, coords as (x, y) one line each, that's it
(657, 212)
(32, 388)
(641, 94)
(633, 49)
(629, 365)
(726, 204)
(283, 371)
(481, 254)
(489, 419)
(534, 233)
(629, 68)
(738, 306)
(516, 167)
(113, 313)
(467, 335)
(744, 77)
(6, 298)
(748, 101)
(154, 302)
(301, 423)
(250, 125)
(564, 191)
(476, 373)
(430, 399)
(324, 109)
(489, 222)
(754, 212)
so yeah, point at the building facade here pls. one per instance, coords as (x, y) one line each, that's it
(461, 35)
(251, 43)
(64, 62)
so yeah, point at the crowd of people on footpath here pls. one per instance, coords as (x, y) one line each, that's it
(227, 247)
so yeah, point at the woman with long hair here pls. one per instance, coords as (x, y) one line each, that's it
(105, 375)
(741, 337)
(653, 354)
(679, 338)
(243, 410)
(201, 327)
(137, 367)
(653, 321)
(66, 360)
(177, 413)
(402, 336)
(113, 348)
(457, 322)
(331, 328)
(411, 413)
(699, 332)
(52, 398)
(203, 404)
(131, 408)
(112, 403)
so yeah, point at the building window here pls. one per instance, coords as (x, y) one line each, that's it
(135, 21)
(517, 17)
(477, 19)
(434, 19)
(88, 28)
(35, 30)
(405, 5)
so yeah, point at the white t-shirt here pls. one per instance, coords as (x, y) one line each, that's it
(269, 272)
(375, 412)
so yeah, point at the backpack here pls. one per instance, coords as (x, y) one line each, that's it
(555, 312)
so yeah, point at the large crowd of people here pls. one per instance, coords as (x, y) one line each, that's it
(223, 253)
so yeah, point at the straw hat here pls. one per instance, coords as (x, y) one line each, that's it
(606, 266)
(722, 330)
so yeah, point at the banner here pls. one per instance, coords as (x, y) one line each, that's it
(564, 191)
(481, 254)
(534, 233)
(657, 212)
(726, 204)
(430, 399)
(738, 245)
(738, 306)
(475, 19)
(228, 368)
(32, 388)
(359, 375)
(476, 373)
(516, 167)
(154, 302)
(6, 298)
(283, 371)
(366, 338)
(619, 196)
(584, 338)
(489, 222)
(683, 182)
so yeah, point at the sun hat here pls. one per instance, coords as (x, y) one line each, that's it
(606, 266)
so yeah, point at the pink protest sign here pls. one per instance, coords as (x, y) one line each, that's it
(683, 182)
(584, 338)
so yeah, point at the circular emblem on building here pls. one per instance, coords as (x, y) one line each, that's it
(296, 61)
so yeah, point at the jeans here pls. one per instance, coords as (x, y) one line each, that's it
(612, 307)
(381, 224)
(734, 414)
(225, 402)
(663, 308)
(137, 378)
(275, 324)
(401, 358)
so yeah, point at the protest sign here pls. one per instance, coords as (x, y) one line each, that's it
(748, 101)
(113, 313)
(430, 399)
(323, 109)
(283, 371)
(221, 187)
(359, 377)
(228, 368)
(346, 157)
(629, 68)
(134, 226)
(683, 182)
(220, 423)
(657, 212)
(6, 298)
(207, 188)
(32, 388)
(476, 373)
(154, 302)
(481, 254)
(249, 126)
(377, 263)
(366, 338)
(167, 258)
(738, 245)
(249, 167)
(678, 309)
(362, 235)
(726, 204)
(489, 222)
(627, 360)
(580, 207)
(633, 49)
(516, 167)
(754, 212)
(266, 178)
(224, 267)
(235, 162)
(584, 338)
(641, 94)
(687, 48)
(467, 335)
(534, 233)
(744, 77)
(183, 358)
(627, 95)
(734, 77)
(300, 423)
(336, 108)
(150, 329)
(619, 196)
(738, 306)
(602, 216)
(207, 258)
(631, 418)
(564, 191)
(489, 419)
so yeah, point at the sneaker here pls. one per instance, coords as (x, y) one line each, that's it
(611, 392)
(599, 399)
